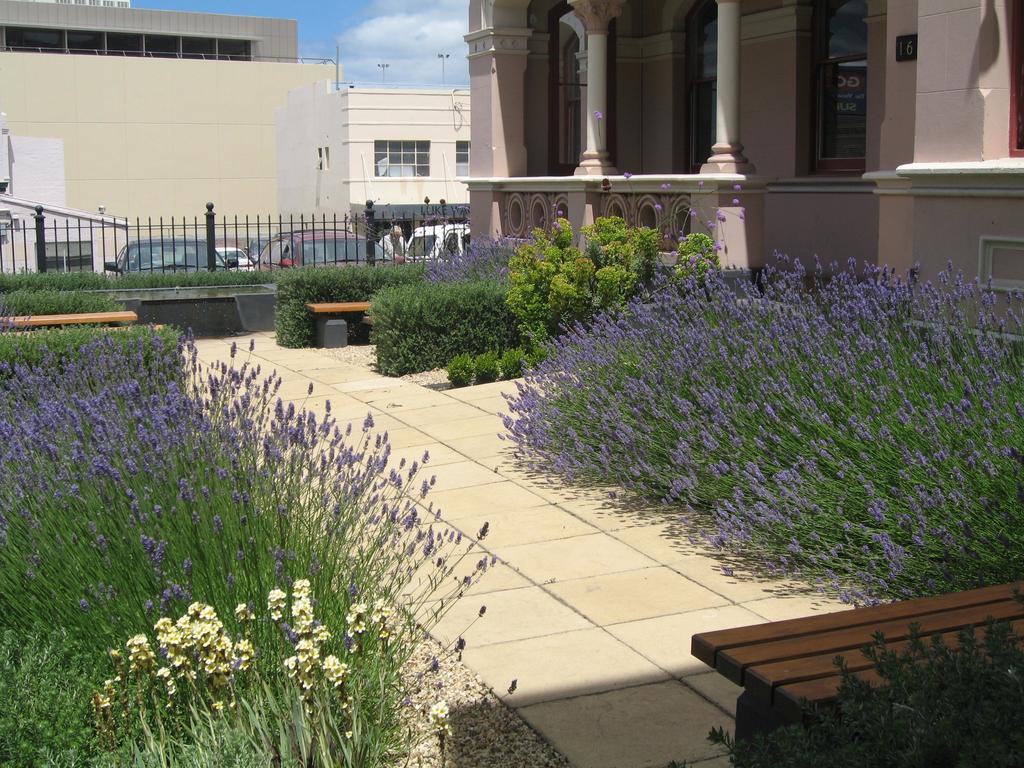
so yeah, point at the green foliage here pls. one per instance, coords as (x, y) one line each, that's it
(554, 284)
(535, 355)
(51, 302)
(46, 681)
(460, 370)
(295, 324)
(423, 326)
(91, 281)
(511, 363)
(697, 256)
(941, 706)
(486, 367)
(57, 346)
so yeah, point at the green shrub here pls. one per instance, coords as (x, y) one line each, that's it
(697, 256)
(460, 370)
(294, 323)
(511, 363)
(46, 682)
(55, 347)
(942, 705)
(92, 281)
(486, 366)
(50, 302)
(535, 355)
(422, 327)
(554, 284)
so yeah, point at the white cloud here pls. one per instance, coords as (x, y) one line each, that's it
(407, 35)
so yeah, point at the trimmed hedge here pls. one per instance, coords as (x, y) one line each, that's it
(56, 346)
(50, 302)
(422, 327)
(92, 281)
(295, 288)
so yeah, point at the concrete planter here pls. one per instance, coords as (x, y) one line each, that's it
(213, 311)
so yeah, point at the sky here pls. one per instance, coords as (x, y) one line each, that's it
(406, 35)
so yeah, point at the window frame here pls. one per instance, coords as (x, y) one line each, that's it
(693, 80)
(845, 166)
(463, 148)
(420, 149)
(1016, 10)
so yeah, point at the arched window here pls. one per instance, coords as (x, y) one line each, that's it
(566, 97)
(841, 85)
(1017, 81)
(701, 80)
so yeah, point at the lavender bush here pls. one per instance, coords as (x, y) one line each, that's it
(484, 259)
(126, 495)
(860, 432)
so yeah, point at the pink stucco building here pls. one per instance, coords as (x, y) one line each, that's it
(881, 130)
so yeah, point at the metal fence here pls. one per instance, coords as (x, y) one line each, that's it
(62, 242)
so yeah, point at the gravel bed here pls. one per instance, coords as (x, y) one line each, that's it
(365, 356)
(485, 732)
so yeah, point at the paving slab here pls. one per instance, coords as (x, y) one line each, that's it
(577, 557)
(560, 666)
(616, 598)
(646, 726)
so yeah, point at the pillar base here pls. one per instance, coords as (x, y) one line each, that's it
(596, 164)
(728, 158)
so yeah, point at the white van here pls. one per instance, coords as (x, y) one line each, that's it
(435, 241)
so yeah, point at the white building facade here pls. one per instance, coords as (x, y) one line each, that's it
(341, 145)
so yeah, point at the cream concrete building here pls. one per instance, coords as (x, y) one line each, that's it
(184, 117)
(339, 146)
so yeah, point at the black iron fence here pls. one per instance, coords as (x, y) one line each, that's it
(60, 242)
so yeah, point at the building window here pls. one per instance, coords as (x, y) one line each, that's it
(198, 47)
(462, 158)
(841, 90)
(85, 42)
(401, 158)
(35, 39)
(565, 90)
(71, 256)
(702, 80)
(124, 43)
(162, 46)
(234, 50)
(1017, 81)
(323, 158)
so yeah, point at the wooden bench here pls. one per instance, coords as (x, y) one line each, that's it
(82, 318)
(783, 664)
(325, 310)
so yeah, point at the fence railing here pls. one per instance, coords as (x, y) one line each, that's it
(62, 242)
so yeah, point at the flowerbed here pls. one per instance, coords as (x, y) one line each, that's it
(255, 569)
(859, 433)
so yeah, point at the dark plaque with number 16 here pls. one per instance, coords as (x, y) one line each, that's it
(906, 48)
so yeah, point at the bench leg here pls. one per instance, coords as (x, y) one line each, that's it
(331, 333)
(752, 717)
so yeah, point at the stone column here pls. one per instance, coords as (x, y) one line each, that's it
(596, 15)
(497, 77)
(728, 151)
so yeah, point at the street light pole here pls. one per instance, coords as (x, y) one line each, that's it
(383, 71)
(443, 57)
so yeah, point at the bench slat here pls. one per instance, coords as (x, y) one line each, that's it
(733, 662)
(762, 680)
(789, 699)
(84, 318)
(337, 307)
(707, 645)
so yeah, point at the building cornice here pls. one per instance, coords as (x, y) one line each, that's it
(508, 41)
(777, 23)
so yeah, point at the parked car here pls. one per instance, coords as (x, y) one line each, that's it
(233, 253)
(435, 241)
(169, 255)
(304, 249)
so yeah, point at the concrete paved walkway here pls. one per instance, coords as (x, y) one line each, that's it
(593, 604)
